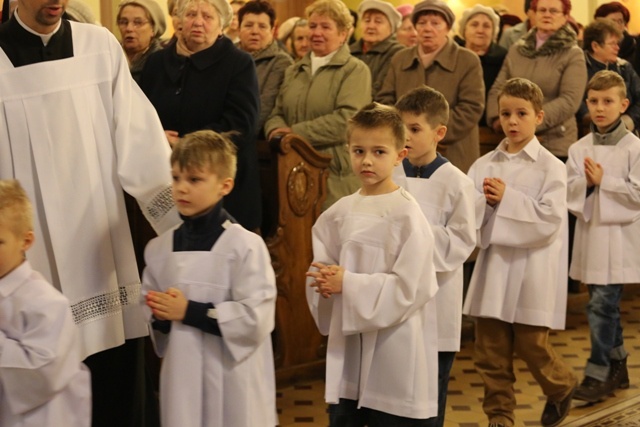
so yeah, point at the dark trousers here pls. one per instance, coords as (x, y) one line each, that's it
(347, 414)
(121, 395)
(445, 363)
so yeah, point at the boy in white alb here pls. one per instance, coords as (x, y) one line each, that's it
(518, 288)
(603, 172)
(212, 292)
(370, 287)
(447, 198)
(43, 382)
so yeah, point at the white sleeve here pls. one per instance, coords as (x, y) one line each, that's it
(380, 300)
(619, 197)
(577, 201)
(456, 239)
(44, 359)
(141, 146)
(523, 221)
(247, 320)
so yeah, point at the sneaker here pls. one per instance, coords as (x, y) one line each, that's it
(591, 390)
(555, 412)
(619, 375)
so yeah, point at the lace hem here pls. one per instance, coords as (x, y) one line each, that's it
(105, 305)
(160, 205)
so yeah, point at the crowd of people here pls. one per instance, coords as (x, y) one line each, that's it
(105, 144)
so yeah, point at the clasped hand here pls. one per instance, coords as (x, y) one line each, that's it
(168, 305)
(327, 279)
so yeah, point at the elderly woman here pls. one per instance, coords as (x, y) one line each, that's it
(550, 57)
(204, 82)
(256, 19)
(141, 24)
(437, 61)
(406, 34)
(322, 91)
(300, 39)
(601, 46)
(379, 21)
(478, 30)
(619, 14)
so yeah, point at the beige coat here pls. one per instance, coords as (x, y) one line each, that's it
(457, 73)
(317, 108)
(559, 69)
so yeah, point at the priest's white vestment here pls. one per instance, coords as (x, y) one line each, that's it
(76, 132)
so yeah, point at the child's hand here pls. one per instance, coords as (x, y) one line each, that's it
(493, 189)
(593, 171)
(169, 305)
(328, 279)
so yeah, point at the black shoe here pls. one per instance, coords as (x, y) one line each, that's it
(555, 412)
(591, 390)
(619, 375)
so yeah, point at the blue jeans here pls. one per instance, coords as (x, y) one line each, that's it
(445, 362)
(603, 313)
(347, 414)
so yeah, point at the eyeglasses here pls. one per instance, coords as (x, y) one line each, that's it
(610, 44)
(551, 11)
(137, 23)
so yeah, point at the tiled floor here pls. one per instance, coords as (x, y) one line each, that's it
(302, 405)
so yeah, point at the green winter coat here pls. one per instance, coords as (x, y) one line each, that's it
(317, 108)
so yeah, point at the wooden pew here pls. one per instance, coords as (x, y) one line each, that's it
(293, 178)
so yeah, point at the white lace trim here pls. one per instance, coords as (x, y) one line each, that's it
(106, 305)
(160, 205)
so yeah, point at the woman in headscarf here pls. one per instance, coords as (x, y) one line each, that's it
(141, 24)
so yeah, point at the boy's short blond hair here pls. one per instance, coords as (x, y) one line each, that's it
(607, 79)
(16, 211)
(206, 150)
(427, 101)
(523, 89)
(376, 116)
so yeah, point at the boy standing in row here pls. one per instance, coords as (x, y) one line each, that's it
(368, 291)
(447, 198)
(518, 288)
(604, 193)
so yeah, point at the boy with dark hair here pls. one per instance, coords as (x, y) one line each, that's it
(518, 289)
(372, 295)
(447, 198)
(211, 289)
(604, 193)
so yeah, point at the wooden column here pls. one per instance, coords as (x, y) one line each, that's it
(293, 179)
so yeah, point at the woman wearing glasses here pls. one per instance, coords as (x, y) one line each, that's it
(602, 50)
(141, 24)
(549, 56)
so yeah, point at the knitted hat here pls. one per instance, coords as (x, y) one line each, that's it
(469, 13)
(387, 8)
(225, 10)
(153, 9)
(78, 11)
(286, 28)
(437, 6)
(405, 10)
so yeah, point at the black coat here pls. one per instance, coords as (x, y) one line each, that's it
(213, 89)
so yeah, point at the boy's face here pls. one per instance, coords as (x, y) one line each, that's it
(196, 191)
(606, 106)
(422, 139)
(519, 121)
(373, 155)
(12, 248)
